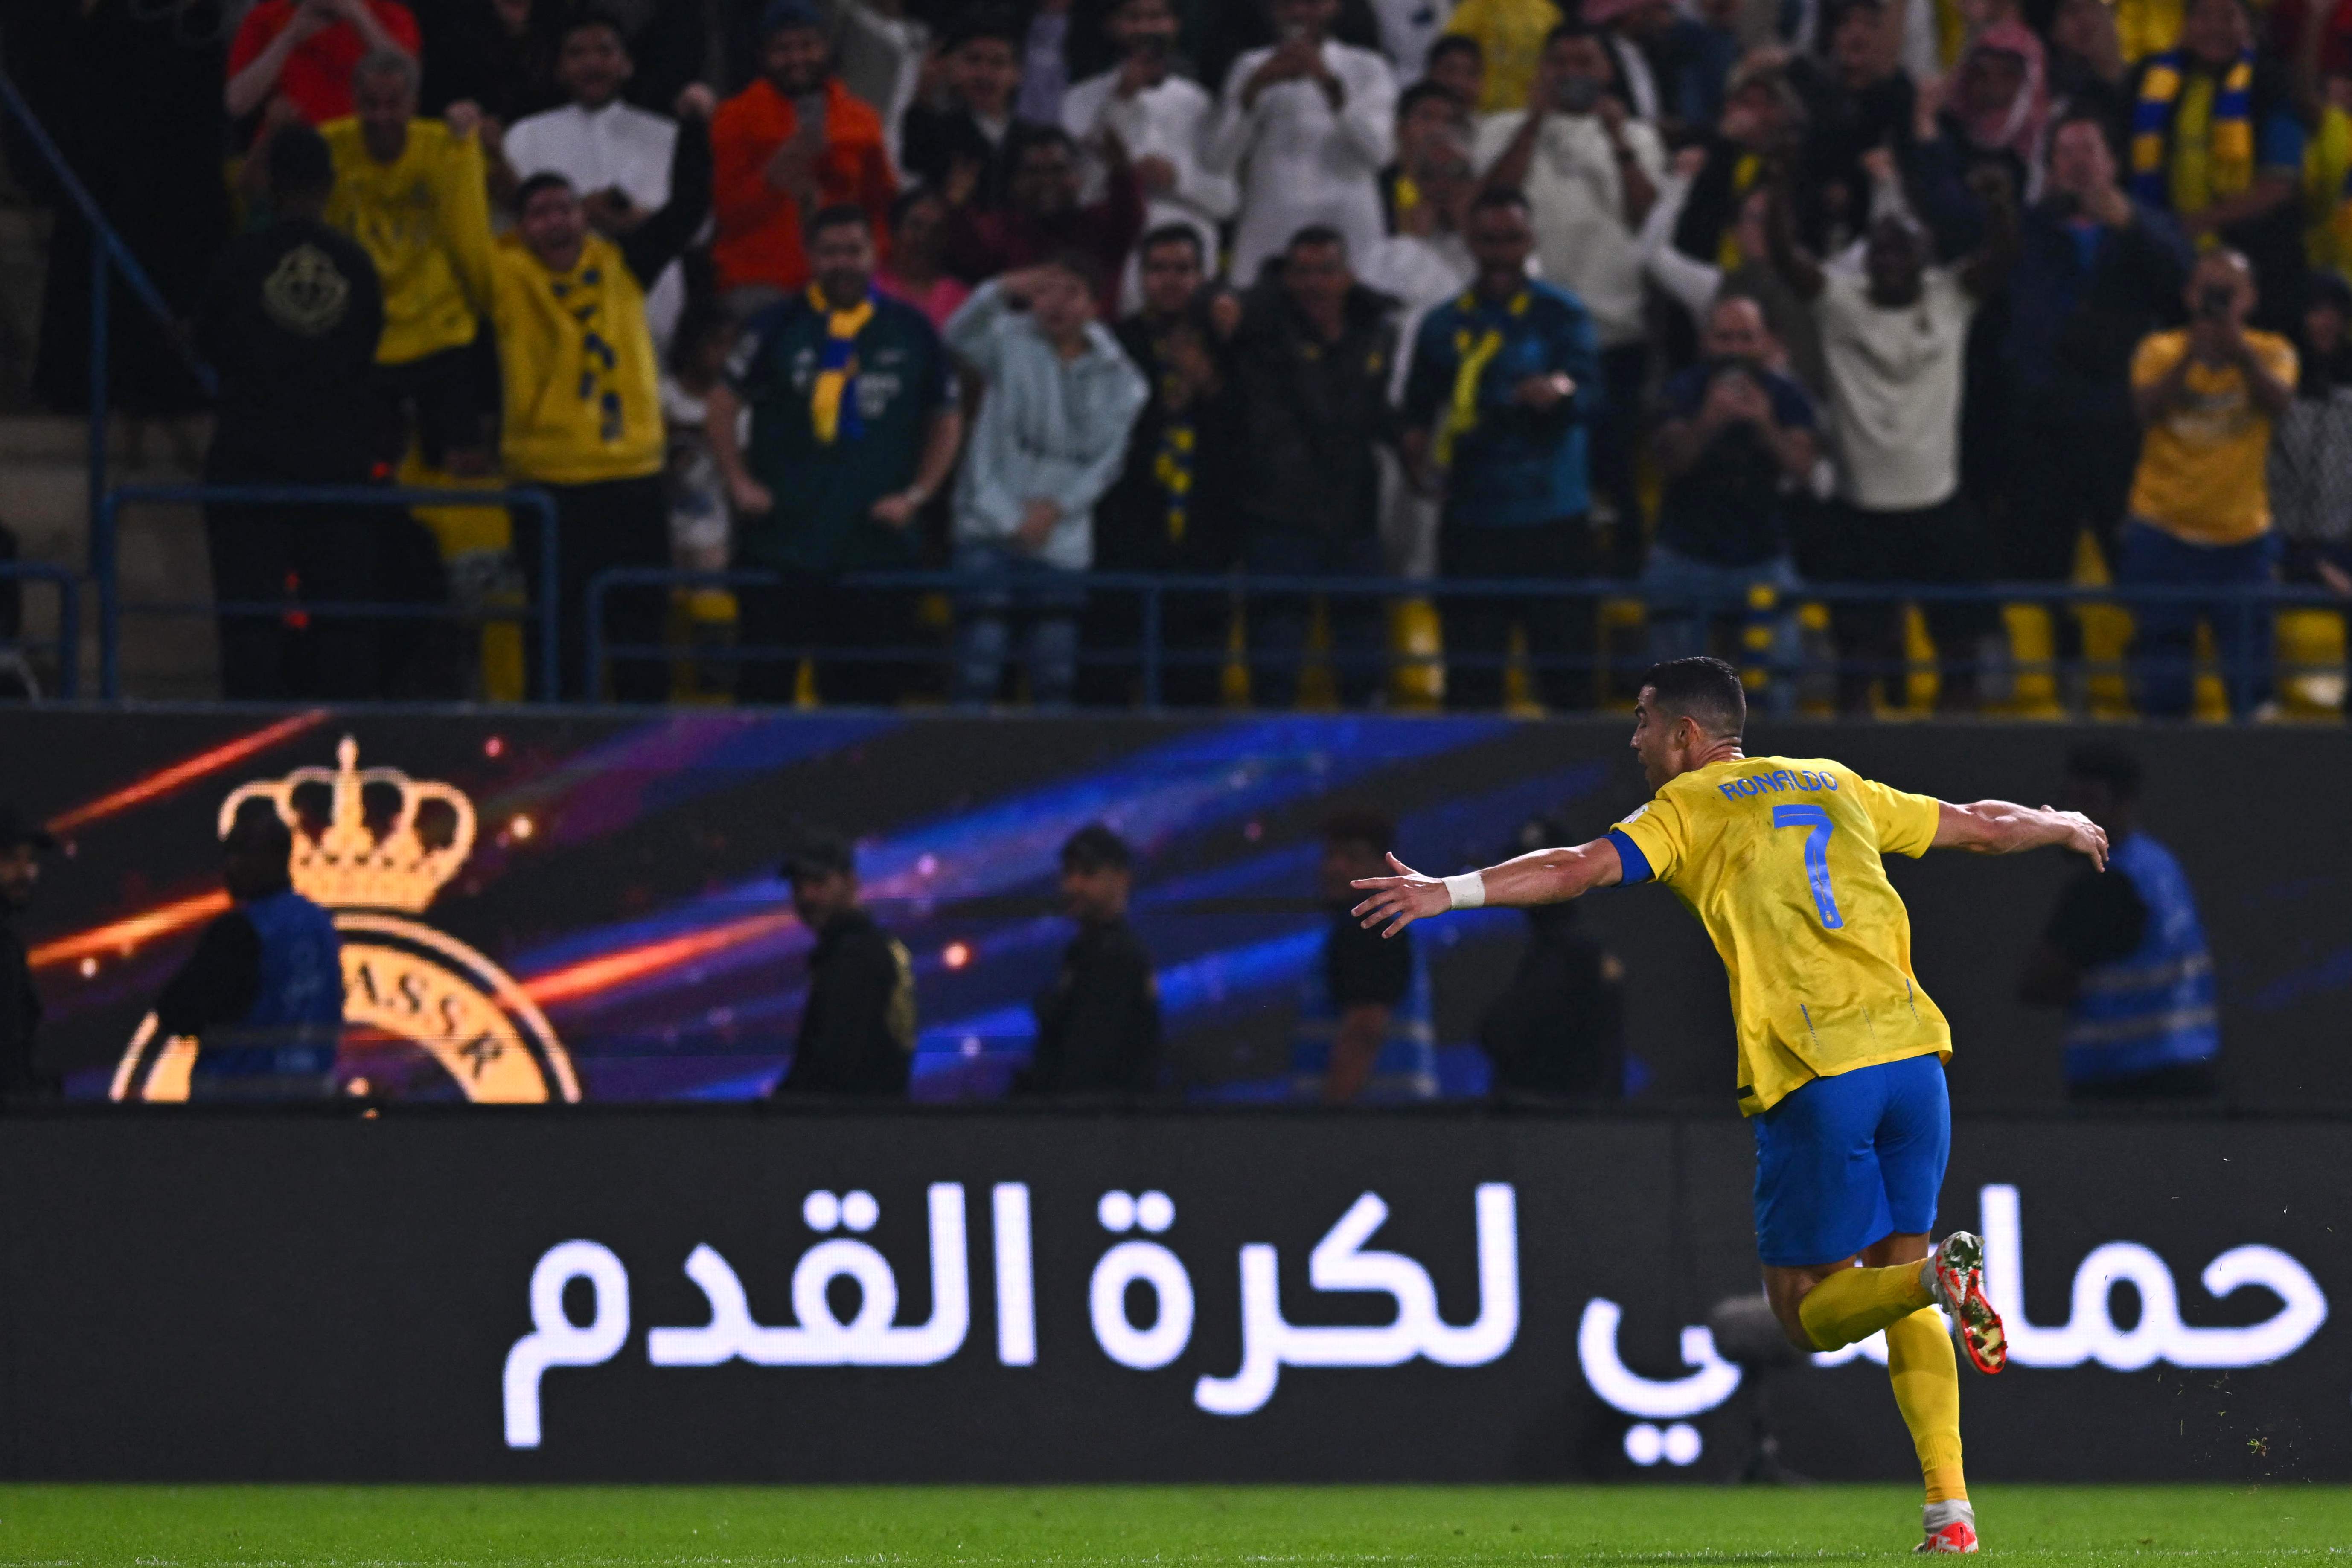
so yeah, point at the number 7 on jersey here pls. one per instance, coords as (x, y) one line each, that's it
(1818, 828)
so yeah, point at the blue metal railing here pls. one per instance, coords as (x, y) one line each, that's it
(110, 608)
(1152, 659)
(66, 644)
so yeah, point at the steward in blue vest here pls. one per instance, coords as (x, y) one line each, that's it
(263, 994)
(2125, 955)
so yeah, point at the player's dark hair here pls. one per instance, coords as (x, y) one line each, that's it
(1359, 824)
(1702, 689)
(2106, 762)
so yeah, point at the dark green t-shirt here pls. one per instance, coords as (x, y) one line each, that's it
(824, 492)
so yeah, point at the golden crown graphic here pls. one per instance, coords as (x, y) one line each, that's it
(349, 866)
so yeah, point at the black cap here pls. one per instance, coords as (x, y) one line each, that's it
(1094, 847)
(815, 852)
(17, 829)
(299, 161)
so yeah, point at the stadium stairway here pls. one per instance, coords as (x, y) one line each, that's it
(45, 501)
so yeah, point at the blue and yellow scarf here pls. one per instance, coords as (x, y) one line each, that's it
(833, 401)
(1473, 352)
(2229, 141)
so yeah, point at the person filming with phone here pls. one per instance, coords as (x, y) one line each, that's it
(2207, 395)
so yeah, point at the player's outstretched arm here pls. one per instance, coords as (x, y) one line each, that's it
(2000, 828)
(1545, 877)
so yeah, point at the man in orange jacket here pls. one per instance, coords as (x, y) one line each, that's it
(792, 142)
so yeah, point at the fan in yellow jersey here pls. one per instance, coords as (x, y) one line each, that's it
(412, 192)
(1841, 1053)
(583, 416)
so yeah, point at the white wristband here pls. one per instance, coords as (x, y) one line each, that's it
(1467, 891)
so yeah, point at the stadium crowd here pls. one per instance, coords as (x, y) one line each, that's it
(1716, 300)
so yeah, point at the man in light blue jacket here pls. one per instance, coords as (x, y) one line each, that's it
(1050, 439)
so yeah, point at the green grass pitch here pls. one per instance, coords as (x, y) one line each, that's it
(741, 1527)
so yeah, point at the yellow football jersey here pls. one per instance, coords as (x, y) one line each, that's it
(424, 220)
(1780, 859)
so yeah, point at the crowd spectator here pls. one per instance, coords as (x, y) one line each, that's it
(1311, 371)
(1670, 67)
(1696, 285)
(1558, 1027)
(304, 51)
(262, 994)
(701, 518)
(2097, 270)
(1041, 216)
(1158, 118)
(2124, 953)
(2215, 141)
(1458, 64)
(1044, 64)
(1172, 510)
(1060, 396)
(2207, 397)
(22, 842)
(1762, 113)
(1856, 99)
(497, 54)
(1510, 36)
(616, 155)
(583, 418)
(415, 194)
(1590, 171)
(917, 272)
(1365, 1028)
(1099, 1023)
(1427, 192)
(1736, 441)
(1505, 384)
(960, 138)
(289, 322)
(857, 1025)
(1308, 123)
(789, 145)
(1894, 338)
(855, 423)
(2086, 63)
(880, 50)
(2311, 457)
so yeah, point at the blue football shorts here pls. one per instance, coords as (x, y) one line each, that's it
(1848, 1160)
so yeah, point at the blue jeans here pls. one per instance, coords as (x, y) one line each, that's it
(984, 626)
(2163, 653)
(1685, 596)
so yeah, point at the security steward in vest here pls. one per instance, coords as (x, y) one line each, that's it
(263, 994)
(22, 842)
(2125, 955)
(857, 1030)
(1559, 1028)
(1099, 1023)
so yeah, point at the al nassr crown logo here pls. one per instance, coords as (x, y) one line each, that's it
(402, 980)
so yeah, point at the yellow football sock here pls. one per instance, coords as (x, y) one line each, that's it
(1927, 1377)
(1856, 1303)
